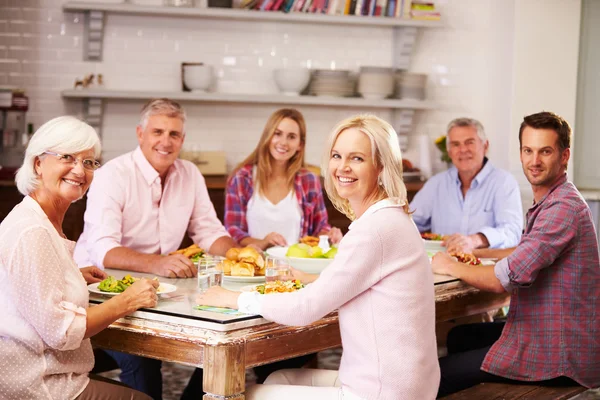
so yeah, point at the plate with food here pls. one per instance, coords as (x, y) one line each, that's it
(243, 265)
(112, 286)
(193, 252)
(275, 287)
(466, 258)
(433, 242)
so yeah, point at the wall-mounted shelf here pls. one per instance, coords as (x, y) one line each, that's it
(248, 15)
(105, 94)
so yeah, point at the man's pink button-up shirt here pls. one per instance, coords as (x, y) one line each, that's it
(129, 206)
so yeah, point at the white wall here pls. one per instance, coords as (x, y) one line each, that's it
(494, 60)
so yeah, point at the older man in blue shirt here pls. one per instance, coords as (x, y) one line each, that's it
(476, 204)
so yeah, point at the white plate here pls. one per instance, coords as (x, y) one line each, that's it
(310, 265)
(433, 245)
(164, 288)
(248, 288)
(236, 279)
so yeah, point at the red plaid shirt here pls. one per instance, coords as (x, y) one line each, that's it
(308, 192)
(553, 326)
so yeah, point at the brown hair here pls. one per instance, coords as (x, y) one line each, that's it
(261, 156)
(548, 120)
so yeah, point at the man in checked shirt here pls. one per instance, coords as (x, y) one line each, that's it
(552, 335)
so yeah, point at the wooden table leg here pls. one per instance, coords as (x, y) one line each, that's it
(224, 371)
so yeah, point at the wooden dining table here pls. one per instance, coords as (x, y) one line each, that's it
(225, 342)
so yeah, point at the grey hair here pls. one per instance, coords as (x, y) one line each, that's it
(162, 106)
(65, 135)
(462, 122)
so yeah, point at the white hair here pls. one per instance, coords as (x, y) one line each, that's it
(162, 106)
(464, 122)
(65, 135)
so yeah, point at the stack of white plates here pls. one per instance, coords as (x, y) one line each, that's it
(336, 83)
(375, 82)
(410, 86)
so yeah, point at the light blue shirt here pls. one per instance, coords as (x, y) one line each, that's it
(492, 206)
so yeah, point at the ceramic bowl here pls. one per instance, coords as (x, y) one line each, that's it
(198, 78)
(291, 81)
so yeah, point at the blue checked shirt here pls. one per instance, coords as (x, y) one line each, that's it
(492, 206)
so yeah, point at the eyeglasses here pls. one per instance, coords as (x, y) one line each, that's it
(89, 163)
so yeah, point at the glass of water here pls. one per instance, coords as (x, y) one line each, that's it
(210, 274)
(277, 269)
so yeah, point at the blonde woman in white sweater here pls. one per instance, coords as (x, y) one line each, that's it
(380, 281)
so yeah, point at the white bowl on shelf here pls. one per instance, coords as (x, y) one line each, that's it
(310, 265)
(291, 81)
(198, 77)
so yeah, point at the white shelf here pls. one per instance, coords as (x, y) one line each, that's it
(249, 98)
(249, 15)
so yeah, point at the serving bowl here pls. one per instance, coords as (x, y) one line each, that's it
(291, 81)
(310, 265)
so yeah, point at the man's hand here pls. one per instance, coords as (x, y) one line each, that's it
(93, 274)
(465, 244)
(173, 266)
(272, 239)
(216, 296)
(442, 263)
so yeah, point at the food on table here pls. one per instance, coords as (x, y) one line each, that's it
(466, 258)
(243, 262)
(193, 252)
(312, 241)
(114, 285)
(279, 287)
(302, 250)
(433, 236)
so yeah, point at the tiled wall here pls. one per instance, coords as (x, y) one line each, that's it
(470, 61)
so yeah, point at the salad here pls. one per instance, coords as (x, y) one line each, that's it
(113, 285)
(279, 287)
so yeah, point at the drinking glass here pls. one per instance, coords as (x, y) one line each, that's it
(210, 274)
(277, 269)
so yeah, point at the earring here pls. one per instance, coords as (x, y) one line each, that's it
(379, 181)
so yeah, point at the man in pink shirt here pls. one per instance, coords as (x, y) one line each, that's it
(139, 208)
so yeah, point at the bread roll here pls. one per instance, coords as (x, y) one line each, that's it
(242, 269)
(232, 253)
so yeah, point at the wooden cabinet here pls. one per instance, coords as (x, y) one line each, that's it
(73, 224)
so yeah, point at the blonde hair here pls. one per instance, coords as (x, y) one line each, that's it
(65, 135)
(386, 154)
(162, 106)
(261, 156)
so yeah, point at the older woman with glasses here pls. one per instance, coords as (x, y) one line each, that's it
(46, 324)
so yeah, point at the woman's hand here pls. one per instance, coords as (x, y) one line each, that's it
(272, 239)
(442, 263)
(93, 274)
(216, 296)
(335, 235)
(142, 294)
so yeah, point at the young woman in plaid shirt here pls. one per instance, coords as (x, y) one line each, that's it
(272, 200)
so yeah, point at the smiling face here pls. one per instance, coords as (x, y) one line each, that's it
(353, 171)
(161, 141)
(286, 141)
(466, 149)
(542, 160)
(64, 181)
